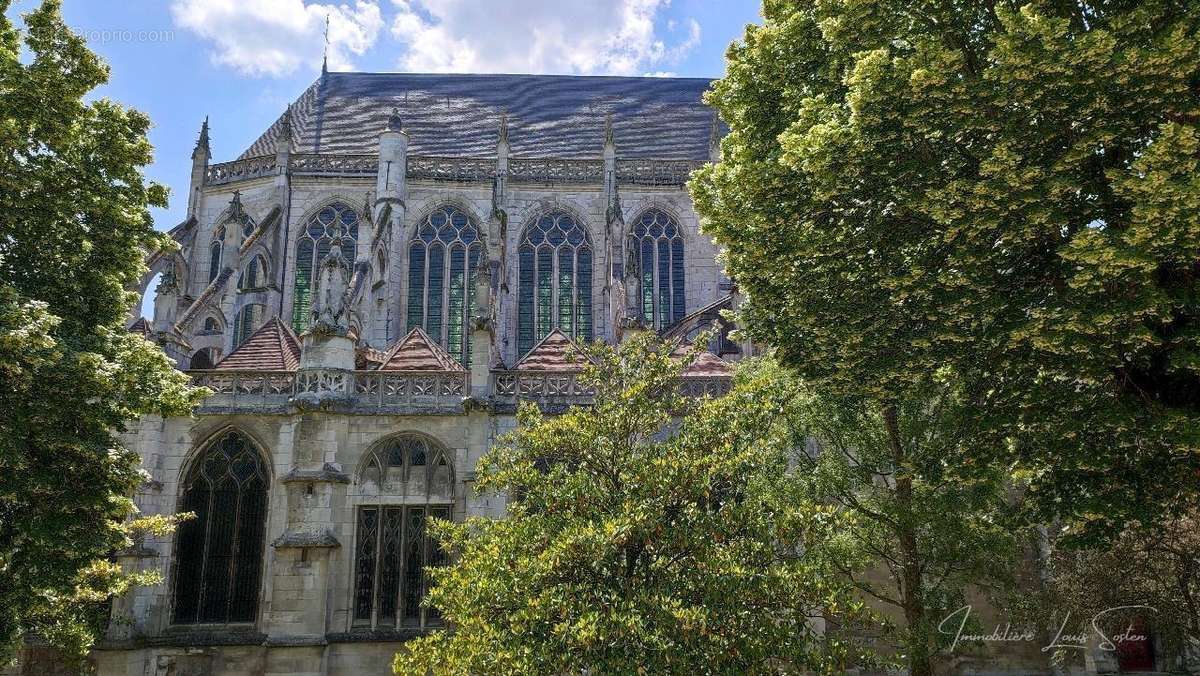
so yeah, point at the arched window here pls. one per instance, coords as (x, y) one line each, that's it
(249, 318)
(255, 274)
(380, 267)
(219, 553)
(247, 224)
(214, 254)
(442, 259)
(312, 247)
(204, 359)
(392, 546)
(211, 325)
(554, 286)
(659, 244)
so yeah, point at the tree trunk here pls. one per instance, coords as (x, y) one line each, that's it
(911, 583)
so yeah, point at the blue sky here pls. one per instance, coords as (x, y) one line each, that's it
(242, 61)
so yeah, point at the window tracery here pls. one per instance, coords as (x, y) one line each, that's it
(219, 553)
(554, 285)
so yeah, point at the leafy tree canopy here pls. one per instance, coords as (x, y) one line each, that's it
(74, 229)
(647, 533)
(1007, 188)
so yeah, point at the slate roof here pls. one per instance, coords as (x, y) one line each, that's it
(273, 347)
(418, 352)
(556, 352)
(458, 115)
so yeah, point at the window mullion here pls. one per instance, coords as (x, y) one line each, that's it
(379, 520)
(234, 553)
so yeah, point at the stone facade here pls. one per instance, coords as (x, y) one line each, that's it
(317, 418)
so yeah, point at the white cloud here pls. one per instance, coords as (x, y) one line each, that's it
(275, 37)
(615, 37)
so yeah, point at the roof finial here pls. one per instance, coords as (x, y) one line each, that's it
(395, 122)
(608, 130)
(285, 129)
(325, 59)
(503, 137)
(202, 142)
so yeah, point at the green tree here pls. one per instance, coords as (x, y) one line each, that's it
(904, 476)
(1007, 188)
(74, 228)
(646, 533)
(1149, 572)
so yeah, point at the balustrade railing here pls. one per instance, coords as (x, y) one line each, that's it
(540, 385)
(648, 172)
(334, 165)
(656, 172)
(265, 383)
(368, 389)
(551, 170)
(456, 169)
(385, 388)
(240, 170)
(362, 388)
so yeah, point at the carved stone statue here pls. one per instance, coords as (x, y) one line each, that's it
(330, 311)
(632, 282)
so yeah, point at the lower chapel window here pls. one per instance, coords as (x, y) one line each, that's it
(219, 553)
(394, 548)
(393, 545)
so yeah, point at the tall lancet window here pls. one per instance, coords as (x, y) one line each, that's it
(312, 247)
(442, 259)
(554, 285)
(659, 243)
(214, 254)
(219, 553)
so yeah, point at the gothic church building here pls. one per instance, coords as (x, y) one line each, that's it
(369, 291)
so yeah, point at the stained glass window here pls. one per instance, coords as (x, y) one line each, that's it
(255, 274)
(442, 258)
(214, 255)
(554, 281)
(219, 553)
(659, 242)
(249, 318)
(312, 247)
(393, 546)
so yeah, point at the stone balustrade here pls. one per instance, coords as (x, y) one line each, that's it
(405, 390)
(646, 172)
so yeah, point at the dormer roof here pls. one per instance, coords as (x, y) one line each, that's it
(418, 352)
(273, 347)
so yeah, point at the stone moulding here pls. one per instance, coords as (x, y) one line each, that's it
(544, 170)
(327, 474)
